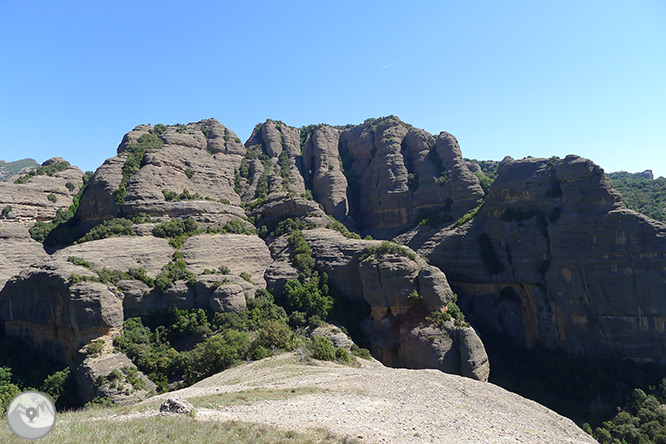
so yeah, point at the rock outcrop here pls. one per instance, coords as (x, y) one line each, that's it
(548, 255)
(384, 283)
(197, 160)
(36, 197)
(553, 257)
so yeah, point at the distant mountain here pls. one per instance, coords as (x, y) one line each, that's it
(8, 169)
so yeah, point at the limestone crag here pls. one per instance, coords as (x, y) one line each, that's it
(555, 258)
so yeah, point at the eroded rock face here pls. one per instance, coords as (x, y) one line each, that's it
(384, 284)
(42, 307)
(198, 157)
(400, 174)
(554, 258)
(50, 307)
(22, 205)
(94, 378)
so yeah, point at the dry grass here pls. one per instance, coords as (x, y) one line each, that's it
(101, 426)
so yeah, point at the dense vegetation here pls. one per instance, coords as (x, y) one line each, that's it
(181, 347)
(647, 196)
(179, 230)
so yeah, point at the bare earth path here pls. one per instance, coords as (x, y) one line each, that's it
(375, 404)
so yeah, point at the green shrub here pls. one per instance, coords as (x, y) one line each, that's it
(94, 349)
(224, 270)
(189, 173)
(6, 210)
(342, 355)
(414, 297)
(439, 318)
(109, 228)
(236, 226)
(386, 247)
(275, 334)
(289, 225)
(338, 226)
(302, 253)
(468, 216)
(215, 354)
(176, 270)
(56, 384)
(247, 277)
(177, 230)
(362, 353)
(70, 186)
(52, 197)
(322, 348)
(310, 297)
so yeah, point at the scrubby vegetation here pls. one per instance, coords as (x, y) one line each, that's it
(184, 346)
(386, 247)
(641, 194)
(176, 270)
(62, 229)
(440, 319)
(134, 157)
(172, 196)
(179, 230)
(288, 226)
(48, 170)
(338, 226)
(109, 228)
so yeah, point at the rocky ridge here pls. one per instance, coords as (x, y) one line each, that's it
(547, 255)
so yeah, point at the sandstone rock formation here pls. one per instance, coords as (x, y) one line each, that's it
(553, 257)
(38, 198)
(549, 255)
(383, 283)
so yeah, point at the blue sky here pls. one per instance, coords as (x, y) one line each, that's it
(514, 78)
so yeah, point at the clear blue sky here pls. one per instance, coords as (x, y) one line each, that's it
(514, 78)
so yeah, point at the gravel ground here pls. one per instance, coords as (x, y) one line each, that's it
(375, 404)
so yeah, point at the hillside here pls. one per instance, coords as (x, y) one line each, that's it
(362, 403)
(8, 169)
(190, 251)
(642, 193)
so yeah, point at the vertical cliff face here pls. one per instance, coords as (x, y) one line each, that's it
(398, 175)
(553, 257)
